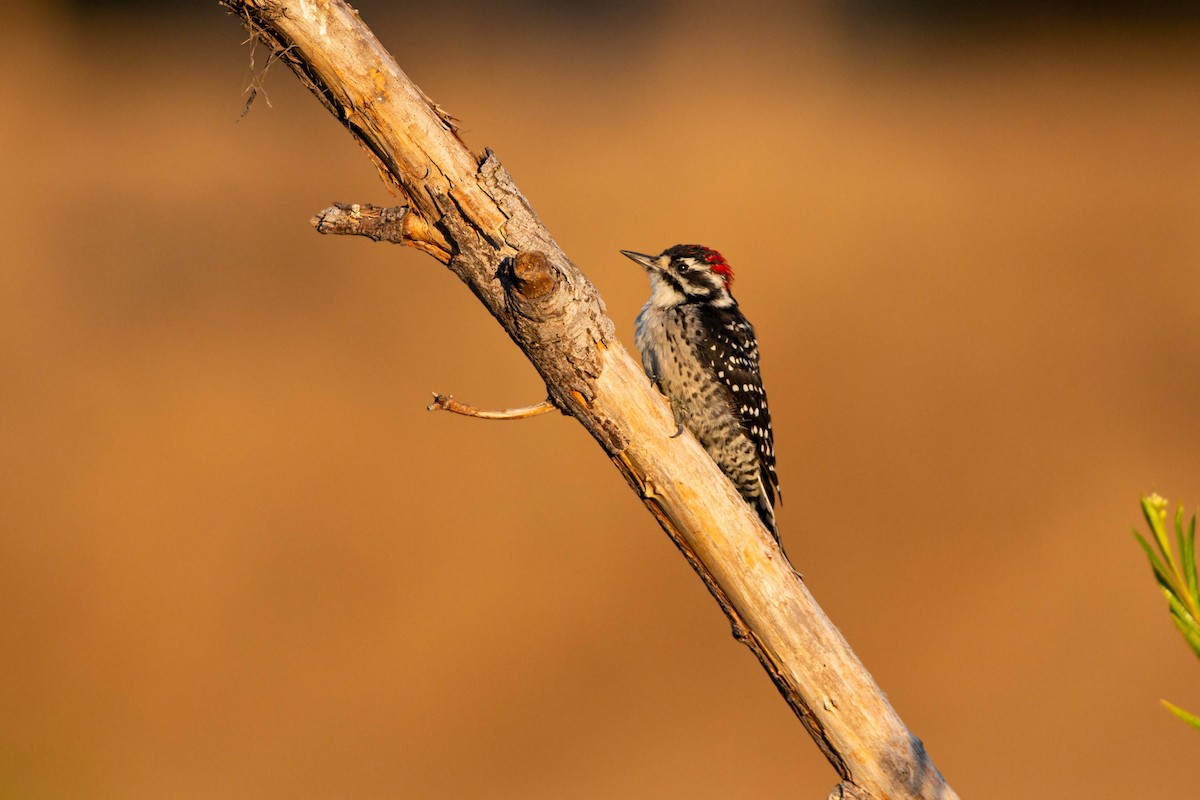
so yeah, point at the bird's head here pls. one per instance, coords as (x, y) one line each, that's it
(686, 273)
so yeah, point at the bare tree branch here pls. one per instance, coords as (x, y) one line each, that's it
(445, 402)
(393, 225)
(468, 213)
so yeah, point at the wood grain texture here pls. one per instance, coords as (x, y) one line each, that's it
(469, 214)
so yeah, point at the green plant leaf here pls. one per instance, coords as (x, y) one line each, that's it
(1155, 510)
(1191, 633)
(1176, 579)
(1161, 574)
(1188, 717)
(1150, 554)
(1187, 554)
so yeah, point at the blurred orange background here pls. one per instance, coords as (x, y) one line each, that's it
(239, 559)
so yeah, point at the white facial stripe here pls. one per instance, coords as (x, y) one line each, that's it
(663, 293)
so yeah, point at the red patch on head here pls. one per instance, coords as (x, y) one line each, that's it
(719, 265)
(715, 261)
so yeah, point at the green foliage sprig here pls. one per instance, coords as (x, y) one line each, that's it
(1176, 577)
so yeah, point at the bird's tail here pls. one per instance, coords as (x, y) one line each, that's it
(766, 512)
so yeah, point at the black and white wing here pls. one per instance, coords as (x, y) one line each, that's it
(732, 353)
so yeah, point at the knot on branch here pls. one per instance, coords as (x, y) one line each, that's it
(533, 277)
(533, 286)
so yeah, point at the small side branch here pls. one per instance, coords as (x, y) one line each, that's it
(396, 224)
(444, 402)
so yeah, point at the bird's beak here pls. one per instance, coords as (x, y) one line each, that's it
(649, 263)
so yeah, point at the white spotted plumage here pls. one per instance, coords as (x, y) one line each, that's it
(702, 353)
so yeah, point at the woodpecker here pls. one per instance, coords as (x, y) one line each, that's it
(702, 354)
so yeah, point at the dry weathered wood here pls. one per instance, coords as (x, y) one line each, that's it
(393, 225)
(468, 213)
(444, 402)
